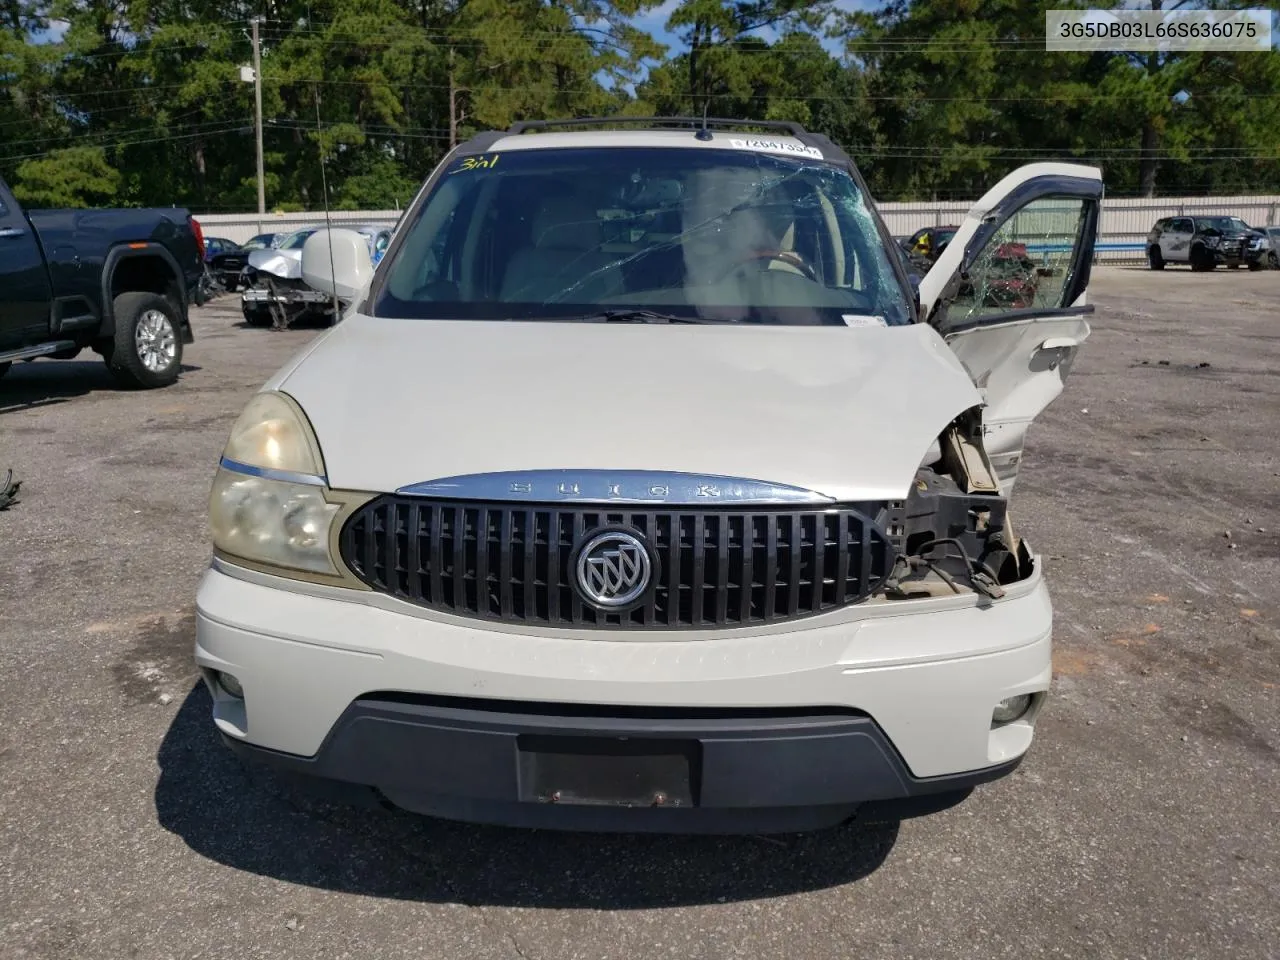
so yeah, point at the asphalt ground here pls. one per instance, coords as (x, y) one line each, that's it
(1143, 824)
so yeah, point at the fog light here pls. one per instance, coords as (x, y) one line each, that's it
(231, 685)
(1010, 709)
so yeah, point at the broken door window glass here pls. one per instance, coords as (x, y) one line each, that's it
(1027, 262)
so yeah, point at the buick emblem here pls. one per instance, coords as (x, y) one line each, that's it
(613, 569)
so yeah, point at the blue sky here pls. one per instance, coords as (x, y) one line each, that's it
(655, 20)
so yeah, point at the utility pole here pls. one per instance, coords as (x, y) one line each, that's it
(456, 115)
(453, 105)
(257, 99)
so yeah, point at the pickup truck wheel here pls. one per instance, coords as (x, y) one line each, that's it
(4, 367)
(1155, 259)
(147, 351)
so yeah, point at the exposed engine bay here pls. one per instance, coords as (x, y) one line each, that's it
(954, 532)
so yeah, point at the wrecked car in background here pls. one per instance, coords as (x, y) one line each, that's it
(929, 242)
(227, 266)
(275, 292)
(1273, 246)
(1204, 242)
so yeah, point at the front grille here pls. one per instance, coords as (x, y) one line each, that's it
(516, 563)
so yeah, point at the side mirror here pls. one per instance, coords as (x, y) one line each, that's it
(337, 262)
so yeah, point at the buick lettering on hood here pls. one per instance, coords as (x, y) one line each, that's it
(639, 488)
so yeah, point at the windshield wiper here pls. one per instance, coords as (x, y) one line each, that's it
(634, 316)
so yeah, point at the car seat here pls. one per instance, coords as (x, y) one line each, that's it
(565, 250)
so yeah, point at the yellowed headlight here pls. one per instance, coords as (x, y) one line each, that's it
(272, 521)
(268, 502)
(273, 434)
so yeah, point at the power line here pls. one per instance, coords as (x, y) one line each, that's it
(749, 43)
(826, 98)
(870, 151)
(280, 80)
(79, 137)
(208, 131)
(93, 112)
(449, 39)
(116, 91)
(283, 81)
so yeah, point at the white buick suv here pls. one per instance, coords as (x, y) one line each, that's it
(641, 488)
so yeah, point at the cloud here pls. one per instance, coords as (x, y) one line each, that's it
(655, 20)
(56, 30)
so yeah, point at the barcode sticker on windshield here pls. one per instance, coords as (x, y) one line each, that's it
(862, 320)
(777, 146)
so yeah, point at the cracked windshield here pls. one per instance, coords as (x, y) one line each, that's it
(697, 235)
(1025, 264)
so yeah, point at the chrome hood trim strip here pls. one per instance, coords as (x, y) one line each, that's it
(612, 486)
(269, 473)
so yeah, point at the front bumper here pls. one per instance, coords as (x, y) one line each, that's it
(778, 730)
(736, 771)
(1230, 254)
(257, 296)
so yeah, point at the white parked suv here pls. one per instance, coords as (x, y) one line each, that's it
(639, 488)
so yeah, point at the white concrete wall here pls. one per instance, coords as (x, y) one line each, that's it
(1125, 222)
(241, 226)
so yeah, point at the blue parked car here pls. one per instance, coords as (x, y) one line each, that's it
(216, 245)
(379, 239)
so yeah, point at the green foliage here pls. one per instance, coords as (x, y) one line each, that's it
(74, 177)
(141, 103)
(965, 92)
(381, 186)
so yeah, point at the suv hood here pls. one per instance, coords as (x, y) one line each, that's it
(847, 411)
(281, 263)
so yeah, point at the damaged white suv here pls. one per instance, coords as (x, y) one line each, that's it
(640, 489)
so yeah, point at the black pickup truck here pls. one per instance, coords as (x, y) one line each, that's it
(116, 281)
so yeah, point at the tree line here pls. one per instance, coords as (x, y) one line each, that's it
(126, 102)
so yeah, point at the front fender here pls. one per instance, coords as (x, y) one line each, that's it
(118, 255)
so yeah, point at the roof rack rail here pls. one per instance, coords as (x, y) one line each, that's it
(693, 123)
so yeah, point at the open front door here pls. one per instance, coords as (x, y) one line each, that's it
(1008, 296)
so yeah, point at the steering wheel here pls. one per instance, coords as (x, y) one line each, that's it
(788, 257)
